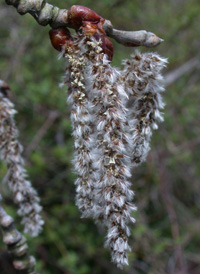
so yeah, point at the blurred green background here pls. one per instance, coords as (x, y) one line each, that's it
(166, 236)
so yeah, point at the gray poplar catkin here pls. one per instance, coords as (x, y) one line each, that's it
(144, 84)
(111, 161)
(25, 196)
(82, 124)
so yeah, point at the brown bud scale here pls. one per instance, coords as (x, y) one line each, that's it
(60, 37)
(77, 14)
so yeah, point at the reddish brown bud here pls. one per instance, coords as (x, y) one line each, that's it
(91, 24)
(60, 37)
(77, 14)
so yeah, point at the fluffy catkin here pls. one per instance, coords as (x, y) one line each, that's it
(82, 123)
(25, 195)
(144, 83)
(102, 126)
(112, 190)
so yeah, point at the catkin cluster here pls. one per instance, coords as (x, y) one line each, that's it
(113, 113)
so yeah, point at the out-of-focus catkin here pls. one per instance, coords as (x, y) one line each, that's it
(25, 196)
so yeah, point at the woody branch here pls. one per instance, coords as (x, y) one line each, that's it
(45, 14)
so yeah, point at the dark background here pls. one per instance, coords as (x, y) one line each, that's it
(166, 236)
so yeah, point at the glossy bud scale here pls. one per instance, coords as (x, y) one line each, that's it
(60, 37)
(77, 14)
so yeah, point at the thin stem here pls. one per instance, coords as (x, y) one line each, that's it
(45, 14)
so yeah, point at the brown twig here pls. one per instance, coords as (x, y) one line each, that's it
(45, 14)
(16, 244)
(167, 199)
(41, 132)
(186, 68)
(20, 46)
